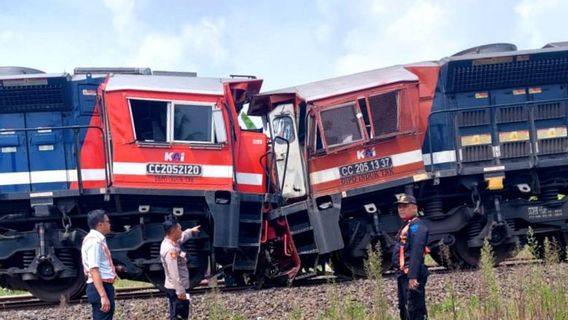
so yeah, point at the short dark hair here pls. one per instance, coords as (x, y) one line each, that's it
(169, 225)
(94, 217)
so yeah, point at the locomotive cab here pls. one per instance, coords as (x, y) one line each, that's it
(145, 147)
(358, 135)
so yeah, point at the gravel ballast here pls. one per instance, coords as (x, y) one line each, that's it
(281, 303)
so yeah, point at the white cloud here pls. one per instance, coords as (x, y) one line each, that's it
(7, 35)
(396, 34)
(194, 46)
(124, 18)
(539, 20)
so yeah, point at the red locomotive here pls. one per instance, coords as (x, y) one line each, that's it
(141, 145)
(479, 138)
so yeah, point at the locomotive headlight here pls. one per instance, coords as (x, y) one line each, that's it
(476, 139)
(549, 133)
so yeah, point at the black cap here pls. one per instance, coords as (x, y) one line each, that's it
(405, 198)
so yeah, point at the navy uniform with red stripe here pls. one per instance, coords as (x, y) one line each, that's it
(408, 259)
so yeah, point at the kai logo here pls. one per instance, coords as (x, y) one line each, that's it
(366, 153)
(174, 156)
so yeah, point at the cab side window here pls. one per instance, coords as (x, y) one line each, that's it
(150, 120)
(174, 122)
(340, 125)
(384, 113)
(193, 123)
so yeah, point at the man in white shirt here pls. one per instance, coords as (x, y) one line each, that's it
(98, 266)
(174, 261)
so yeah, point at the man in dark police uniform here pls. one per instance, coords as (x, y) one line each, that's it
(408, 259)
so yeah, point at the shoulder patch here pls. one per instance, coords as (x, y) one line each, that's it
(173, 254)
(414, 228)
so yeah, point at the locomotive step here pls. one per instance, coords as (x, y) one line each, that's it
(304, 227)
(249, 242)
(308, 249)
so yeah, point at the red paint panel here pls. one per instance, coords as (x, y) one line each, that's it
(126, 150)
(92, 155)
(252, 146)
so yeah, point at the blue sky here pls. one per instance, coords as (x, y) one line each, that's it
(284, 42)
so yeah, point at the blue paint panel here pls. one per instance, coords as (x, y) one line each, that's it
(14, 155)
(46, 152)
(440, 131)
(550, 92)
(83, 102)
(50, 154)
(469, 100)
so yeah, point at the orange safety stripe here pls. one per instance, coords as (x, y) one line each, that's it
(402, 239)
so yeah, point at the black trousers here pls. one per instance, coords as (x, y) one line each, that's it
(95, 301)
(412, 302)
(179, 309)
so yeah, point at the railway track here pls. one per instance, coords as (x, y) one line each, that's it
(29, 302)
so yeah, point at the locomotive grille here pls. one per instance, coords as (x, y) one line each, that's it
(473, 118)
(477, 153)
(512, 114)
(515, 149)
(507, 72)
(154, 250)
(66, 256)
(549, 111)
(32, 98)
(27, 258)
(554, 145)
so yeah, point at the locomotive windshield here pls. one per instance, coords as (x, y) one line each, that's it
(341, 125)
(283, 127)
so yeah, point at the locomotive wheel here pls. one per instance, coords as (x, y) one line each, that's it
(355, 267)
(12, 283)
(57, 289)
(348, 267)
(196, 272)
(439, 257)
(465, 257)
(356, 232)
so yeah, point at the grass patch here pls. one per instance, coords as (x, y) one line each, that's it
(124, 283)
(8, 292)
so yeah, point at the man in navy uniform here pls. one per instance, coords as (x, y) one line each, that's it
(408, 259)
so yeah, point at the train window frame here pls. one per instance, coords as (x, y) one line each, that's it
(357, 115)
(314, 136)
(399, 98)
(193, 104)
(133, 122)
(218, 128)
(290, 126)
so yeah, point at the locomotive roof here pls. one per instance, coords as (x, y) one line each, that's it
(549, 48)
(34, 76)
(213, 86)
(349, 83)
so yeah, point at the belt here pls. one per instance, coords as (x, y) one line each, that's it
(109, 281)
